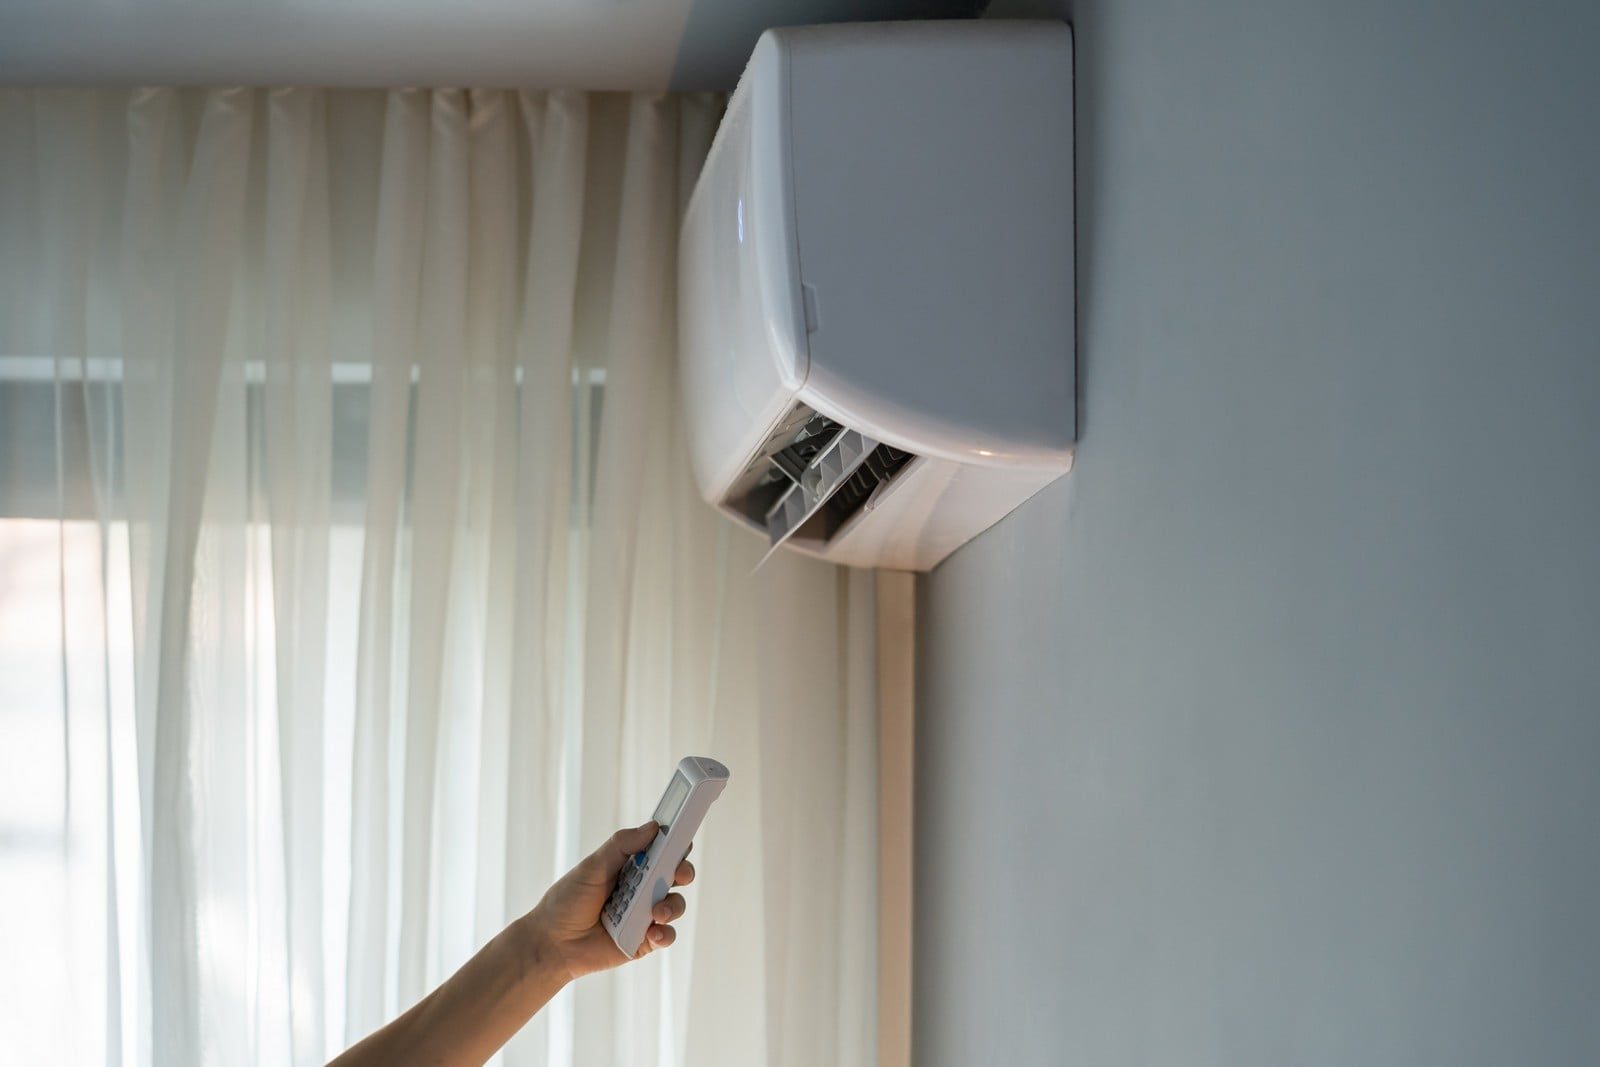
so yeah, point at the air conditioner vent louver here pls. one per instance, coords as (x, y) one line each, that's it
(811, 477)
(882, 464)
(815, 434)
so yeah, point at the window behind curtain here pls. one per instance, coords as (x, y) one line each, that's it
(66, 629)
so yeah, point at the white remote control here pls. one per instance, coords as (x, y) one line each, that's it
(647, 876)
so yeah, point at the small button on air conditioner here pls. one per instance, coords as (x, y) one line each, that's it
(876, 311)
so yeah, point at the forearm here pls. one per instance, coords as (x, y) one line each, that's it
(476, 1010)
(480, 1006)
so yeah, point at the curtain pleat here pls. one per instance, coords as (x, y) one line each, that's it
(646, 221)
(397, 273)
(297, 423)
(399, 596)
(434, 488)
(210, 219)
(70, 207)
(478, 744)
(534, 520)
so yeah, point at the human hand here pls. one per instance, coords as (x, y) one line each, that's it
(567, 920)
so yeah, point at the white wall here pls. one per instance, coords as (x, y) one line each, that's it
(1271, 735)
(525, 44)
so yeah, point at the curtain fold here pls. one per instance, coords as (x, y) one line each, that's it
(393, 594)
(531, 524)
(297, 431)
(635, 328)
(396, 266)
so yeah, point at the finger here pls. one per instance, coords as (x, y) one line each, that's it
(660, 936)
(610, 857)
(685, 874)
(671, 907)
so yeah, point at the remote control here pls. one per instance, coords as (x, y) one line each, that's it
(647, 876)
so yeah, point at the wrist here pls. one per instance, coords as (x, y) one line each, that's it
(542, 962)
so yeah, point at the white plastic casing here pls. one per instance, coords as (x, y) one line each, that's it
(883, 232)
(647, 877)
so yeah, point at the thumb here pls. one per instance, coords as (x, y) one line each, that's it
(620, 846)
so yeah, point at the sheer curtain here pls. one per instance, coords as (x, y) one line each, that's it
(352, 584)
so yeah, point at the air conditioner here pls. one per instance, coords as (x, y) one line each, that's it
(876, 316)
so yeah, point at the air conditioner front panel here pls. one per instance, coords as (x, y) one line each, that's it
(741, 319)
(932, 167)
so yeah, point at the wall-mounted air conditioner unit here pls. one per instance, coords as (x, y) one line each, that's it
(876, 287)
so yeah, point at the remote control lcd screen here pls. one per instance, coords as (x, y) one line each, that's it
(675, 795)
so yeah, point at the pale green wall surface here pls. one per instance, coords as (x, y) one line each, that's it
(1271, 735)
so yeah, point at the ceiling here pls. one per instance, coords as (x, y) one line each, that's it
(588, 44)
